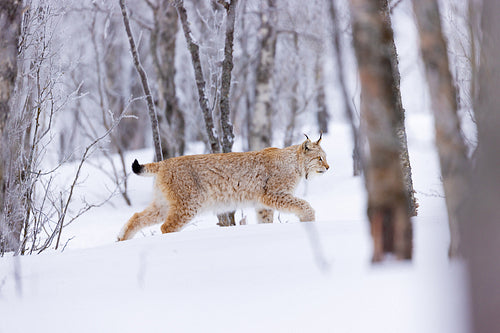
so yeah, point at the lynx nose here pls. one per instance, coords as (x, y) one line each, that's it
(327, 166)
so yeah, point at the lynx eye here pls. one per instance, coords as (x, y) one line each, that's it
(320, 159)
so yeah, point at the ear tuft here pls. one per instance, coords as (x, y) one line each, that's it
(320, 137)
(306, 137)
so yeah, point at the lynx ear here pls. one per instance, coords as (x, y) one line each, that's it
(320, 137)
(306, 145)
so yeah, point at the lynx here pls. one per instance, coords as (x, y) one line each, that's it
(187, 185)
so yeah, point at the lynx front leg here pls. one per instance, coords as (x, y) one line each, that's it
(288, 203)
(153, 214)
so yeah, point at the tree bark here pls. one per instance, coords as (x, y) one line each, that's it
(387, 203)
(145, 84)
(10, 29)
(227, 68)
(400, 126)
(450, 143)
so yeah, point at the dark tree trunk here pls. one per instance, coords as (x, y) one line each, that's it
(10, 29)
(387, 201)
(450, 143)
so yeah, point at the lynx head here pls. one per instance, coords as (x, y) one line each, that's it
(314, 157)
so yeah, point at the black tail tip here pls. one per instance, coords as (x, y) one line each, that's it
(136, 167)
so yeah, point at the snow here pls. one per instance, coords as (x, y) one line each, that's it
(283, 277)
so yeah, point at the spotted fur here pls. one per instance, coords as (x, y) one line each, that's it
(187, 185)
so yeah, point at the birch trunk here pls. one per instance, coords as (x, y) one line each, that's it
(450, 143)
(260, 127)
(10, 29)
(387, 203)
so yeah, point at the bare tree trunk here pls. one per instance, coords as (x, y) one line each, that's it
(145, 84)
(10, 29)
(163, 50)
(450, 143)
(481, 215)
(401, 130)
(387, 203)
(227, 68)
(357, 158)
(260, 126)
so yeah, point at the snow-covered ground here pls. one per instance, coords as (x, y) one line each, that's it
(283, 277)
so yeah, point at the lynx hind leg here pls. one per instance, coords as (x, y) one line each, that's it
(265, 215)
(153, 214)
(288, 203)
(178, 216)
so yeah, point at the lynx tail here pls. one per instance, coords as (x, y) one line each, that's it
(137, 168)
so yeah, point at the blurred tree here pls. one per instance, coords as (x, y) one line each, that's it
(449, 141)
(480, 215)
(387, 197)
(10, 29)
(163, 50)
